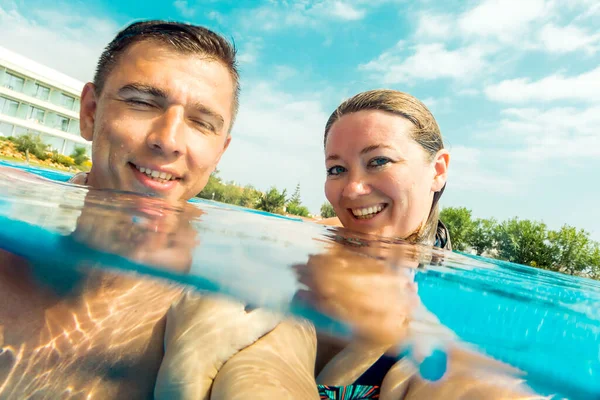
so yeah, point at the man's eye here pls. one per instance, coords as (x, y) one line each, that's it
(336, 170)
(203, 125)
(139, 103)
(379, 162)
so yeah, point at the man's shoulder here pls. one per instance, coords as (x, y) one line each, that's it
(79, 178)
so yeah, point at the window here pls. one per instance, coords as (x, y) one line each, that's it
(8, 107)
(14, 82)
(6, 129)
(36, 114)
(67, 101)
(62, 123)
(42, 92)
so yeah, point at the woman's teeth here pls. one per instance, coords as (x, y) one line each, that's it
(156, 175)
(367, 212)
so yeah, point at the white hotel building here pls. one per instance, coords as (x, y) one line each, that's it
(35, 99)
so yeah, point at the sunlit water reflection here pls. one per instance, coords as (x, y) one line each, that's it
(110, 265)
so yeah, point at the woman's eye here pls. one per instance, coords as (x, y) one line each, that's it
(336, 170)
(379, 162)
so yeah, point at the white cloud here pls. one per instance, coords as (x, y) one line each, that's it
(467, 171)
(468, 92)
(184, 8)
(428, 62)
(277, 140)
(434, 26)
(584, 87)
(250, 51)
(283, 72)
(280, 15)
(505, 20)
(568, 39)
(345, 11)
(216, 16)
(438, 105)
(554, 133)
(77, 41)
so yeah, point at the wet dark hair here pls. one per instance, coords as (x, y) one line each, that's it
(183, 38)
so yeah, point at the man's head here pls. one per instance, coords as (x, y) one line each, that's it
(160, 109)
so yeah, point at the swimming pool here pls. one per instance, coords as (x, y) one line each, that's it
(541, 322)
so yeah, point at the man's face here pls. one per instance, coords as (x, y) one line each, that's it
(160, 124)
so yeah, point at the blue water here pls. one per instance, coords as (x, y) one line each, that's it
(544, 323)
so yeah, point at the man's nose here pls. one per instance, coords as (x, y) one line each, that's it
(168, 133)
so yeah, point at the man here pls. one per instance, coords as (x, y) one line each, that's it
(160, 110)
(159, 114)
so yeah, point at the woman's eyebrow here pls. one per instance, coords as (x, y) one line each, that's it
(375, 147)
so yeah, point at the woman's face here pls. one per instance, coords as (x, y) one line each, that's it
(379, 180)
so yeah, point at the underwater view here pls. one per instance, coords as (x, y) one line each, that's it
(107, 266)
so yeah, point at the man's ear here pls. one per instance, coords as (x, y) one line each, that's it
(87, 111)
(225, 146)
(440, 165)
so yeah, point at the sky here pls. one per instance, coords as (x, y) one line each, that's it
(513, 84)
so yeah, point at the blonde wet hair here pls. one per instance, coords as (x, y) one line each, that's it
(426, 132)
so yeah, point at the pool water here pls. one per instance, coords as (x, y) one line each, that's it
(543, 323)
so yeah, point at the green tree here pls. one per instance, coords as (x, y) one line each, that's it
(250, 197)
(272, 201)
(571, 250)
(294, 205)
(327, 210)
(213, 189)
(481, 237)
(295, 199)
(459, 223)
(231, 194)
(79, 155)
(594, 261)
(32, 144)
(524, 242)
(297, 209)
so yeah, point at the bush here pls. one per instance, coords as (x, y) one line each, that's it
(327, 211)
(297, 209)
(272, 201)
(79, 155)
(33, 145)
(62, 159)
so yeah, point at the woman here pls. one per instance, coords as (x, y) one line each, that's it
(386, 170)
(384, 150)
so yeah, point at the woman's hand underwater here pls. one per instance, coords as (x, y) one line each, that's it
(373, 298)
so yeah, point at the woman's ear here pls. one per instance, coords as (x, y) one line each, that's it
(440, 165)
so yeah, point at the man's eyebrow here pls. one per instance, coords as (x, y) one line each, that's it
(207, 111)
(375, 147)
(138, 88)
(143, 89)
